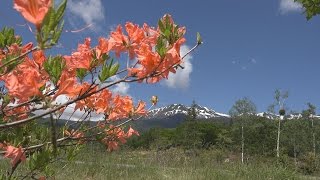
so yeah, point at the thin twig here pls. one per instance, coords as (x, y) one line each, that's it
(20, 56)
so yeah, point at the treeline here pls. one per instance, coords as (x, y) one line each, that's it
(297, 147)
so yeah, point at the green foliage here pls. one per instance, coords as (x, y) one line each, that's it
(310, 111)
(310, 164)
(199, 38)
(311, 7)
(52, 26)
(54, 67)
(24, 135)
(170, 164)
(81, 73)
(279, 101)
(7, 38)
(40, 159)
(296, 139)
(192, 113)
(243, 106)
(259, 135)
(169, 33)
(108, 70)
(9, 63)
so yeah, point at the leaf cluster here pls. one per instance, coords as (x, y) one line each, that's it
(52, 26)
(7, 38)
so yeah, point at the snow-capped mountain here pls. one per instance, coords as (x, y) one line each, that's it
(205, 113)
(174, 109)
(288, 116)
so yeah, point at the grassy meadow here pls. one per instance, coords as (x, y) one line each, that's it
(169, 164)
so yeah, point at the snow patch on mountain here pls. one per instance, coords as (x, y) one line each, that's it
(173, 109)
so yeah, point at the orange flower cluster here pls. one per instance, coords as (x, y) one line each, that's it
(140, 43)
(115, 136)
(14, 153)
(76, 134)
(117, 107)
(81, 58)
(28, 77)
(157, 51)
(15, 114)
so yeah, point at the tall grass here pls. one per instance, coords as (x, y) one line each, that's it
(171, 164)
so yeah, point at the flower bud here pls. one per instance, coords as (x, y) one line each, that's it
(154, 100)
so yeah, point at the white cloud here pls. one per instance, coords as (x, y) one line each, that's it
(120, 88)
(90, 11)
(69, 113)
(287, 6)
(181, 78)
(253, 61)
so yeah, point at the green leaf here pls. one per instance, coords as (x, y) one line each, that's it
(104, 74)
(57, 34)
(51, 19)
(161, 26)
(54, 67)
(114, 69)
(81, 73)
(167, 33)
(2, 39)
(60, 10)
(199, 39)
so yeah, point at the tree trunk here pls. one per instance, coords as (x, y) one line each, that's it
(53, 135)
(313, 138)
(242, 144)
(278, 139)
(295, 154)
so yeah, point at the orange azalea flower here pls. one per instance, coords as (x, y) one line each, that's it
(102, 102)
(116, 133)
(81, 58)
(172, 57)
(16, 114)
(25, 80)
(140, 109)
(88, 102)
(149, 62)
(26, 47)
(33, 11)
(151, 35)
(15, 49)
(103, 47)
(132, 132)
(148, 59)
(118, 41)
(136, 35)
(116, 136)
(68, 85)
(15, 154)
(74, 134)
(122, 107)
(39, 58)
(112, 145)
(173, 54)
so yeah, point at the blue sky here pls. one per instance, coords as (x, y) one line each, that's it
(251, 48)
